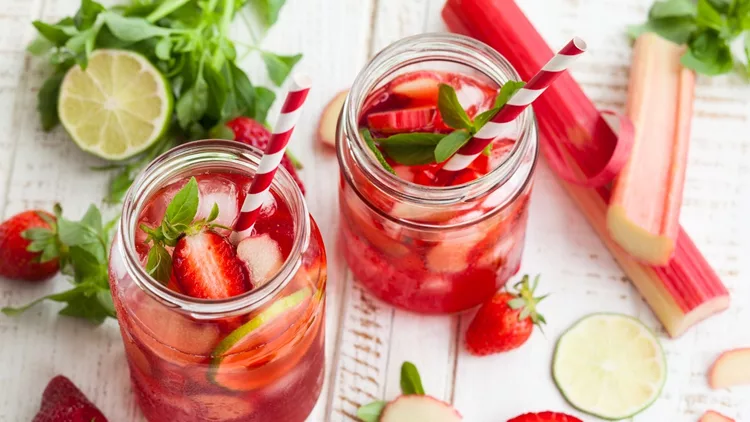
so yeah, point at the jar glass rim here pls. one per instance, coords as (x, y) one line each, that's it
(430, 47)
(177, 163)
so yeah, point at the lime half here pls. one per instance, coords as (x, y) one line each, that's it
(119, 106)
(608, 365)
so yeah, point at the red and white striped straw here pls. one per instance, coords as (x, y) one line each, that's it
(272, 156)
(502, 124)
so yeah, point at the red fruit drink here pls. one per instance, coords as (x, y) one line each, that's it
(229, 334)
(422, 239)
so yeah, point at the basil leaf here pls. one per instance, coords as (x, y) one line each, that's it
(193, 103)
(183, 207)
(165, 8)
(268, 10)
(53, 33)
(426, 139)
(217, 92)
(672, 9)
(279, 67)
(708, 53)
(411, 383)
(264, 99)
(451, 110)
(93, 219)
(371, 412)
(132, 29)
(484, 117)
(487, 150)
(159, 263)
(450, 144)
(677, 30)
(507, 91)
(710, 17)
(378, 155)
(163, 49)
(47, 99)
(40, 46)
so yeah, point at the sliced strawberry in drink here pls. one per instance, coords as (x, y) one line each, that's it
(261, 256)
(404, 120)
(421, 87)
(206, 267)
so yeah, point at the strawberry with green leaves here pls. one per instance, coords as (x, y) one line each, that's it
(204, 263)
(506, 321)
(28, 246)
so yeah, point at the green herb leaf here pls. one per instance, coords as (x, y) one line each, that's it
(507, 91)
(193, 103)
(268, 10)
(371, 412)
(672, 9)
(184, 206)
(213, 214)
(87, 14)
(416, 138)
(159, 263)
(163, 49)
(411, 382)
(487, 150)
(677, 30)
(451, 111)
(264, 98)
(708, 53)
(410, 155)
(710, 17)
(47, 100)
(450, 144)
(40, 46)
(378, 155)
(165, 8)
(279, 67)
(53, 33)
(132, 29)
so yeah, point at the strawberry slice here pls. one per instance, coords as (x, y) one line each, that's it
(421, 87)
(206, 267)
(545, 417)
(404, 120)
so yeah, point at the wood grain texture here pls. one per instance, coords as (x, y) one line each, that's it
(366, 340)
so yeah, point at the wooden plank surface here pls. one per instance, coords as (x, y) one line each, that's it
(367, 340)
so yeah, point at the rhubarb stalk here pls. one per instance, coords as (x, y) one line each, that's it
(683, 292)
(644, 210)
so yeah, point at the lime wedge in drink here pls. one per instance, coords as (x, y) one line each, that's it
(119, 106)
(611, 366)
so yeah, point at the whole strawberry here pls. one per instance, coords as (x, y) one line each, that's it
(62, 401)
(545, 417)
(506, 321)
(250, 132)
(28, 249)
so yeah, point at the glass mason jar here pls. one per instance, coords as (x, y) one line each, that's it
(274, 367)
(432, 249)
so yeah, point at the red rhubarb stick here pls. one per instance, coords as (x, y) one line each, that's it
(682, 293)
(644, 209)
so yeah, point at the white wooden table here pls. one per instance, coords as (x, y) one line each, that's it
(367, 341)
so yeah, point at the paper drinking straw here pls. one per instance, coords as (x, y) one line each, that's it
(272, 156)
(502, 124)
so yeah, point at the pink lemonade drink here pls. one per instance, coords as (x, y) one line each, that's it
(423, 239)
(214, 332)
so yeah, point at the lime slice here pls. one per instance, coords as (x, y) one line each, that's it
(119, 106)
(238, 350)
(611, 366)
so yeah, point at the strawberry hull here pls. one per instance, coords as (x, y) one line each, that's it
(180, 365)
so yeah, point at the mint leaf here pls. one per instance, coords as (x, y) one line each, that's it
(451, 111)
(710, 17)
(378, 155)
(411, 382)
(416, 138)
(279, 67)
(450, 144)
(184, 205)
(159, 263)
(371, 412)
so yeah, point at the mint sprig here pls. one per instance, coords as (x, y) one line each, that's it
(179, 219)
(82, 248)
(411, 383)
(707, 27)
(419, 148)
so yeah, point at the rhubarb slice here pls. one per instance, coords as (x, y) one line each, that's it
(644, 210)
(683, 292)
(405, 120)
(329, 119)
(714, 416)
(419, 408)
(730, 369)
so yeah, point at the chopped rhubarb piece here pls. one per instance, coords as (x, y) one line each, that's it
(329, 119)
(419, 408)
(644, 210)
(683, 292)
(405, 120)
(730, 369)
(714, 416)
(418, 86)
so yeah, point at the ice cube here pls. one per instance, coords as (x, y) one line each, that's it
(221, 191)
(262, 256)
